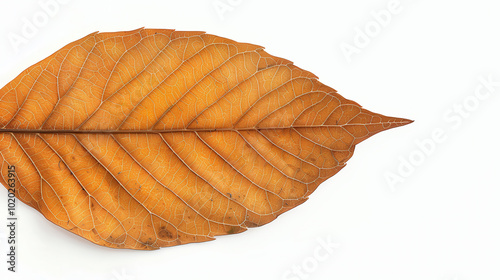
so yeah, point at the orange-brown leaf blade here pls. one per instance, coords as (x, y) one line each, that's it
(153, 138)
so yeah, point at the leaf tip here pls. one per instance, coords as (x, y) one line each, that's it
(401, 121)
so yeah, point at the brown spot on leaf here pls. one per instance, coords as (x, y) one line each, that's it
(164, 233)
(233, 230)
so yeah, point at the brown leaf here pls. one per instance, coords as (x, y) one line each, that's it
(154, 138)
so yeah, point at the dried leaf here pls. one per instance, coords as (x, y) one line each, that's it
(154, 138)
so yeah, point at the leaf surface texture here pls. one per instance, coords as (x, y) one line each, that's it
(154, 138)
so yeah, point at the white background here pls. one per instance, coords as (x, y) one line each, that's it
(441, 220)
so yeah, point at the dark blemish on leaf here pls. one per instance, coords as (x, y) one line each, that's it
(164, 233)
(111, 239)
(250, 224)
(230, 195)
(233, 230)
